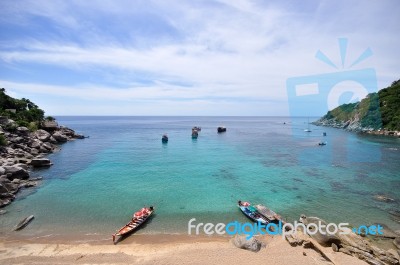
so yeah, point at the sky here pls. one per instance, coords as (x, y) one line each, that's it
(197, 58)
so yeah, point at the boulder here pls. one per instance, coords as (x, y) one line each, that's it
(323, 239)
(383, 198)
(60, 137)
(35, 143)
(4, 202)
(47, 146)
(22, 130)
(24, 166)
(42, 135)
(251, 244)
(41, 162)
(2, 171)
(34, 151)
(52, 140)
(16, 172)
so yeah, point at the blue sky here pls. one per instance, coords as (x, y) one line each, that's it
(189, 57)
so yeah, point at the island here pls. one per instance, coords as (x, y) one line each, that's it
(378, 113)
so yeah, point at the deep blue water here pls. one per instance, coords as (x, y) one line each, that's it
(96, 184)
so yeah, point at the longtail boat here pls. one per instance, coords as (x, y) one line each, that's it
(138, 219)
(252, 213)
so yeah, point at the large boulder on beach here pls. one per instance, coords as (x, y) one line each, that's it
(322, 238)
(60, 137)
(42, 135)
(252, 244)
(16, 172)
(41, 162)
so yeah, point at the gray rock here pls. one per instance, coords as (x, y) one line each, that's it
(34, 151)
(251, 244)
(24, 166)
(22, 130)
(4, 202)
(60, 137)
(16, 172)
(383, 198)
(42, 135)
(47, 146)
(41, 162)
(2, 171)
(52, 140)
(35, 143)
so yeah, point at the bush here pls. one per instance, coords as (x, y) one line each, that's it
(3, 141)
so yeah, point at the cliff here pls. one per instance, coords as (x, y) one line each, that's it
(378, 113)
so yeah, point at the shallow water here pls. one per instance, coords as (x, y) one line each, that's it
(97, 183)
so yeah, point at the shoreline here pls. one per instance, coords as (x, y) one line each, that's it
(165, 249)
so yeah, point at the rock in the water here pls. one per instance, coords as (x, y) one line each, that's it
(60, 137)
(383, 198)
(42, 135)
(16, 172)
(252, 244)
(41, 162)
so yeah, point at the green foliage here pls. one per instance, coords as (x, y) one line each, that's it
(50, 118)
(3, 140)
(25, 110)
(376, 111)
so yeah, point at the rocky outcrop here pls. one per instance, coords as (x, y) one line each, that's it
(352, 244)
(25, 150)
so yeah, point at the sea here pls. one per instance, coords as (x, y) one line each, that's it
(97, 183)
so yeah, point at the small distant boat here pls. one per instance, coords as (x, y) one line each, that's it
(138, 219)
(24, 223)
(197, 128)
(164, 138)
(308, 126)
(252, 213)
(195, 134)
(324, 133)
(221, 129)
(322, 143)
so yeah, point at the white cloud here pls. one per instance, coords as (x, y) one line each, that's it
(232, 50)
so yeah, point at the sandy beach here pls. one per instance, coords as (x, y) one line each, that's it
(163, 249)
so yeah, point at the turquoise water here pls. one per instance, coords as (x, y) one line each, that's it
(97, 183)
